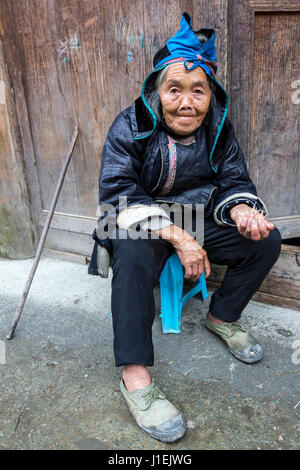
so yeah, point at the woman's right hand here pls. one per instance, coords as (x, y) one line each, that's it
(192, 256)
(194, 259)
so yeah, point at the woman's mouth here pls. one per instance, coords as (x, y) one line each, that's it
(186, 118)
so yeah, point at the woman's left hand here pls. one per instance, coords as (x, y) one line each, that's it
(250, 222)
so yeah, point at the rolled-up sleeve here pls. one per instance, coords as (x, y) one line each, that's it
(234, 187)
(120, 178)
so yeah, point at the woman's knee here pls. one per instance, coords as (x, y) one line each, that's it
(270, 247)
(140, 257)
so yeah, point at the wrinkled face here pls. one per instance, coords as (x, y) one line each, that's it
(185, 98)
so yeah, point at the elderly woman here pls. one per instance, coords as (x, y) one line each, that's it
(175, 144)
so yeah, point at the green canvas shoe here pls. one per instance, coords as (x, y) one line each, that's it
(154, 414)
(240, 342)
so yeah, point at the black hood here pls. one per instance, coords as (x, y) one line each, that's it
(145, 122)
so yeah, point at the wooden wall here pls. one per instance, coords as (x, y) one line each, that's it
(18, 233)
(82, 62)
(264, 74)
(67, 62)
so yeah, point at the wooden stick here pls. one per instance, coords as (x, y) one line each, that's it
(43, 236)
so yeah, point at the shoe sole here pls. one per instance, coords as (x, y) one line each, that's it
(249, 360)
(177, 434)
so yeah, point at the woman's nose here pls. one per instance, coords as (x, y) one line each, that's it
(186, 101)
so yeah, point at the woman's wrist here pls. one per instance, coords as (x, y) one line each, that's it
(174, 235)
(236, 209)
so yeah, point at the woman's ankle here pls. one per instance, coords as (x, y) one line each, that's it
(135, 377)
(214, 320)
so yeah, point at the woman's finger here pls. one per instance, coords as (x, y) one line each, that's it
(188, 271)
(247, 232)
(263, 230)
(243, 223)
(207, 267)
(255, 232)
(269, 225)
(197, 269)
(238, 220)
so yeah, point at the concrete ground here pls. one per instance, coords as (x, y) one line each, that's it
(60, 390)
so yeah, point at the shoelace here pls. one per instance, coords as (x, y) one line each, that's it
(233, 327)
(148, 396)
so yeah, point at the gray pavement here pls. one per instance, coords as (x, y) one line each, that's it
(60, 389)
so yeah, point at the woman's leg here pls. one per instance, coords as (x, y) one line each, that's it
(248, 264)
(136, 265)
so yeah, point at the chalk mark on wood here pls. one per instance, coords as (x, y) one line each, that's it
(66, 47)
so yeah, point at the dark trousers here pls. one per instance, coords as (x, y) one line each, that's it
(137, 265)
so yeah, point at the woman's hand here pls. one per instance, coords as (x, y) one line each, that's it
(194, 259)
(250, 222)
(192, 256)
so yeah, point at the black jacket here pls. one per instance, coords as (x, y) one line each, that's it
(136, 164)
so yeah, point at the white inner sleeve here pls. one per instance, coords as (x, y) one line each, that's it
(155, 223)
(131, 216)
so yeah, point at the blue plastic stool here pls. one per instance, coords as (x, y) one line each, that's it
(171, 290)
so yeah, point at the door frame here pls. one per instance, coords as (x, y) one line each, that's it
(242, 26)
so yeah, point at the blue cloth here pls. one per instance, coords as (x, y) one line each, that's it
(171, 290)
(185, 44)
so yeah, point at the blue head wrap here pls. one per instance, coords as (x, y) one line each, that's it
(185, 45)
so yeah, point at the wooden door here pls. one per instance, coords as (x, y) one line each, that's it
(265, 104)
(82, 62)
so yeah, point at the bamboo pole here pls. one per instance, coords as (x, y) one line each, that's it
(43, 236)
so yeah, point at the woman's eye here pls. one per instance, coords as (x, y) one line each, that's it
(198, 92)
(173, 91)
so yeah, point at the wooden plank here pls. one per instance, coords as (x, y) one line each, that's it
(65, 256)
(213, 14)
(267, 298)
(274, 5)
(282, 282)
(264, 64)
(70, 242)
(276, 300)
(291, 249)
(284, 277)
(274, 148)
(240, 46)
(18, 232)
(289, 227)
(70, 222)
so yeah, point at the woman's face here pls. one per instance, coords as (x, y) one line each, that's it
(185, 98)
